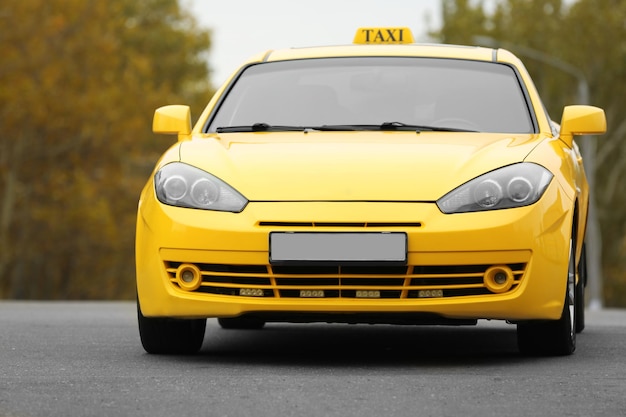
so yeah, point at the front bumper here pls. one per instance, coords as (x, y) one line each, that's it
(449, 261)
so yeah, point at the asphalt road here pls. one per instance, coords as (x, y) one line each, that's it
(85, 359)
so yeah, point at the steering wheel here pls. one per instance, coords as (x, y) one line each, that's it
(456, 123)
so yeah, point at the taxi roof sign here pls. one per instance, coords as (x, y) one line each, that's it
(395, 35)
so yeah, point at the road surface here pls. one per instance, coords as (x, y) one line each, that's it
(85, 359)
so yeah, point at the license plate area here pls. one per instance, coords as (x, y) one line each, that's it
(338, 248)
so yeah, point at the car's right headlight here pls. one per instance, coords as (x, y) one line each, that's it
(182, 185)
(511, 186)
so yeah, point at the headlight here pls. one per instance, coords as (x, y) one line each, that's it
(512, 186)
(182, 185)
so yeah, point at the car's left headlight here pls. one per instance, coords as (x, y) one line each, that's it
(512, 186)
(182, 185)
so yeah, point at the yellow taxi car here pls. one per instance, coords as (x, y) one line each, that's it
(378, 182)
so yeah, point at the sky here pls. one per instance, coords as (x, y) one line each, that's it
(243, 28)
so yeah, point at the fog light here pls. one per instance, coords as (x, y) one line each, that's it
(251, 292)
(368, 294)
(498, 279)
(188, 277)
(311, 293)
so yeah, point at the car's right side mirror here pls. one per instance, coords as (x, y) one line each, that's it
(172, 120)
(581, 120)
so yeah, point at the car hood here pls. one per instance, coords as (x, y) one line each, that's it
(352, 166)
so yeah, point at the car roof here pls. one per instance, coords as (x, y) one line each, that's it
(403, 50)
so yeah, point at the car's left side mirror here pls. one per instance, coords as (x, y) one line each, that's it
(172, 120)
(581, 120)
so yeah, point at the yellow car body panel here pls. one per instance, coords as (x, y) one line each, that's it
(439, 240)
(351, 165)
(364, 181)
(242, 241)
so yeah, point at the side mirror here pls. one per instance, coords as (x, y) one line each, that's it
(172, 120)
(581, 120)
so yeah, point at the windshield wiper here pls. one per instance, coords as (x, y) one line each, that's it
(420, 128)
(260, 127)
(386, 126)
(391, 126)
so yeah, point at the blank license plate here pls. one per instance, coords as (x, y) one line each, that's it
(302, 247)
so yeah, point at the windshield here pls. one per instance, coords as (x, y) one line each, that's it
(376, 91)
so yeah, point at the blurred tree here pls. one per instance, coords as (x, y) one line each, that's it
(79, 81)
(591, 36)
(598, 44)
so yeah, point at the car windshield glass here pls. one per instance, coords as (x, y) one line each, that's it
(364, 91)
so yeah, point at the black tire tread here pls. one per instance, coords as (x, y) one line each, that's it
(167, 336)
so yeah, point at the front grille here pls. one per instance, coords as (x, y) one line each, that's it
(384, 282)
(341, 224)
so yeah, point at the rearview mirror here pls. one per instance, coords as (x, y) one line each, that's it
(581, 120)
(172, 120)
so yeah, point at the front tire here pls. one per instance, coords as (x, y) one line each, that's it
(580, 291)
(553, 337)
(167, 336)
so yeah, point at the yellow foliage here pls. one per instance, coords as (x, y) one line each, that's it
(78, 84)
